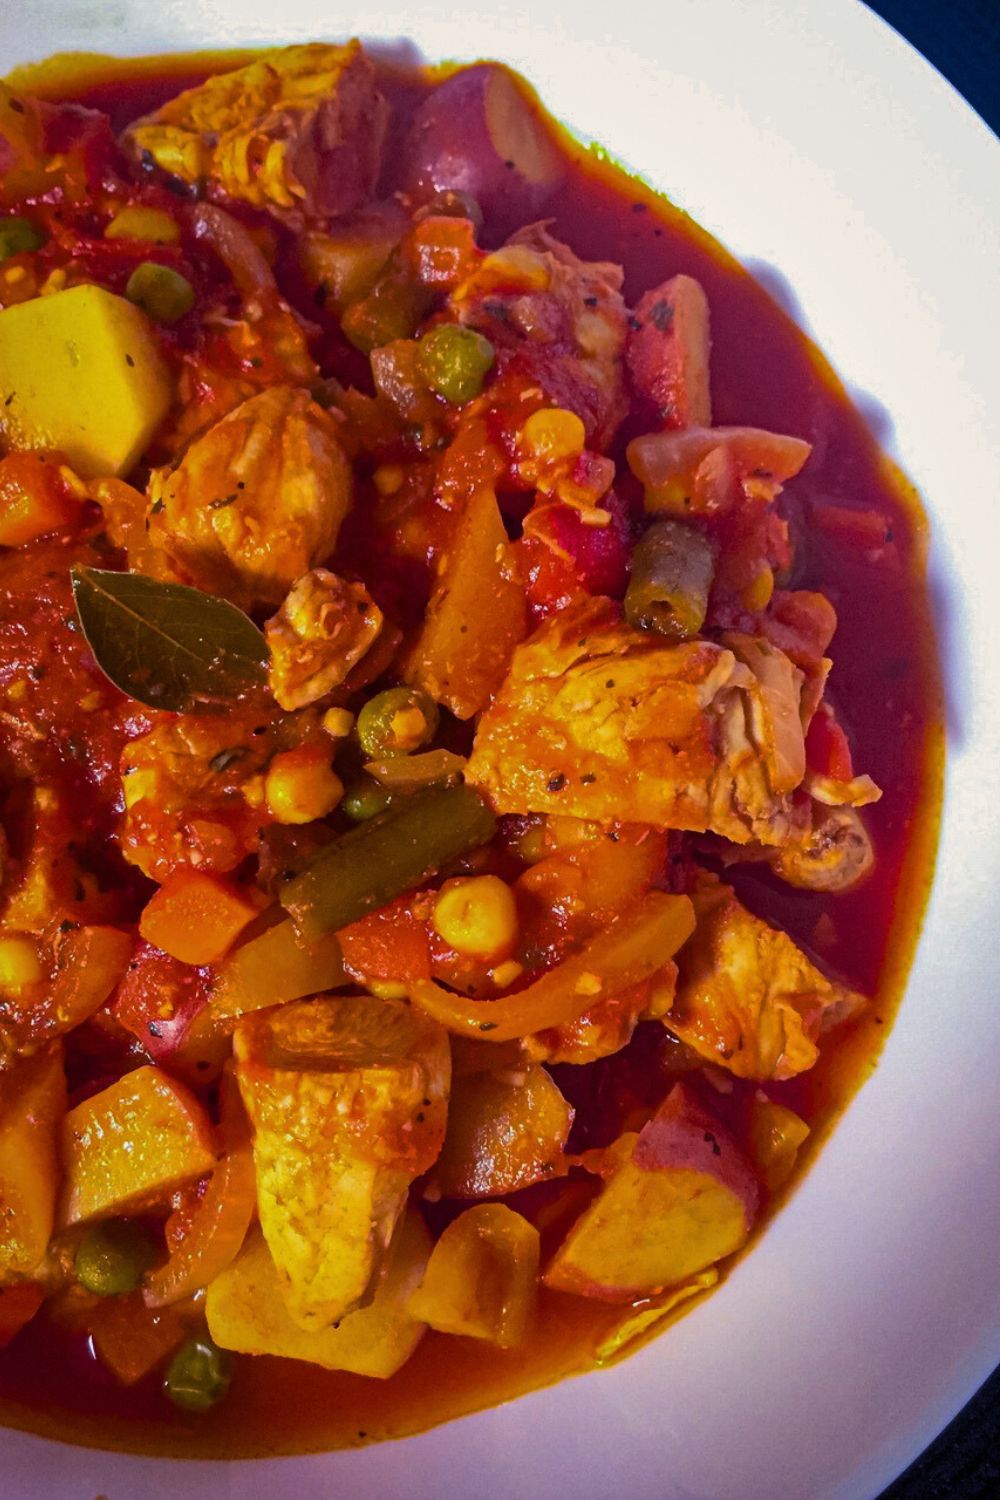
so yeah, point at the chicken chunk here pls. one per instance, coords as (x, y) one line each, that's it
(245, 1311)
(321, 631)
(599, 721)
(299, 131)
(348, 1099)
(561, 320)
(256, 501)
(747, 998)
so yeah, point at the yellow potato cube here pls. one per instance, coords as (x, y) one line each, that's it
(246, 1311)
(80, 371)
(482, 1277)
(32, 1102)
(133, 1144)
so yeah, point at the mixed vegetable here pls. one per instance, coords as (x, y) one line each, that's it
(394, 661)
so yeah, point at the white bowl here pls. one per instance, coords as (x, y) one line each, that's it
(809, 137)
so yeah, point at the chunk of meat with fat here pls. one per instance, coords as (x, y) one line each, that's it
(256, 501)
(600, 721)
(298, 131)
(323, 628)
(748, 999)
(348, 1100)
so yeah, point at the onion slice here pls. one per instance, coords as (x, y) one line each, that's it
(629, 951)
(221, 1220)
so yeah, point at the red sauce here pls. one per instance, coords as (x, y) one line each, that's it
(885, 687)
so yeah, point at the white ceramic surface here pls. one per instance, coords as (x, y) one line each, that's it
(807, 136)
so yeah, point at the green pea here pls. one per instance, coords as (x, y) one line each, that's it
(364, 799)
(397, 721)
(160, 291)
(455, 361)
(112, 1257)
(17, 235)
(199, 1374)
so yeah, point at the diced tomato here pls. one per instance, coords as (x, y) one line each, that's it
(827, 750)
(389, 944)
(582, 558)
(159, 998)
(801, 624)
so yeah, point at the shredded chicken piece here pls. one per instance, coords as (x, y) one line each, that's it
(748, 999)
(323, 628)
(299, 131)
(256, 501)
(600, 721)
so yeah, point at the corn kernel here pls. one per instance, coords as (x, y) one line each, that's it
(301, 786)
(476, 916)
(552, 434)
(338, 723)
(388, 478)
(149, 224)
(589, 984)
(19, 964)
(758, 594)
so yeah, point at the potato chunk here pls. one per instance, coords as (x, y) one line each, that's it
(256, 501)
(679, 1197)
(482, 1277)
(80, 372)
(505, 1131)
(348, 1098)
(463, 650)
(32, 1102)
(132, 1144)
(246, 1311)
(748, 998)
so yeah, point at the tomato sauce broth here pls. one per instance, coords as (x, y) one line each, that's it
(886, 689)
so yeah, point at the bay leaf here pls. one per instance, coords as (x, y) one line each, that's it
(167, 645)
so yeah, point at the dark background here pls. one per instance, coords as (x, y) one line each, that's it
(962, 39)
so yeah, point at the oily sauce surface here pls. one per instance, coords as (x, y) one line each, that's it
(884, 686)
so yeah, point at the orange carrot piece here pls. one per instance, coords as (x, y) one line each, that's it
(197, 917)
